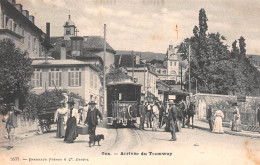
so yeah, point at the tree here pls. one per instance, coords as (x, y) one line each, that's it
(15, 71)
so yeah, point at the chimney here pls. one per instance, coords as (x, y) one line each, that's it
(31, 18)
(19, 7)
(26, 13)
(48, 32)
(63, 52)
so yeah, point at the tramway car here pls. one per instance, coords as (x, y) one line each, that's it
(123, 99)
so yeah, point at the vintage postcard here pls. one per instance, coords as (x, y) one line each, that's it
(129, 82)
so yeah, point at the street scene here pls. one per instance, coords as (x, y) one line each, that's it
(150, 82)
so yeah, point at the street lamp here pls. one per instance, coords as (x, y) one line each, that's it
(194, 79)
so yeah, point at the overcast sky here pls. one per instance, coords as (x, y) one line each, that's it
(149, 25)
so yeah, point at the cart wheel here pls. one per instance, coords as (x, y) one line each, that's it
(42, 128)
(48, 128)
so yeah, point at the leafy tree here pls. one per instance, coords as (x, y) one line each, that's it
(15, 71)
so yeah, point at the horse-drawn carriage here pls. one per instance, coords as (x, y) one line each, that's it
(46, 117)
(122, 103)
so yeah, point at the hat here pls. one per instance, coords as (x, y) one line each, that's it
(11, 104)
(171, 102)
(234, 104)
(92, 103)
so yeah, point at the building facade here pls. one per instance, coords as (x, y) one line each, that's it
(73, 75)
(17, 24)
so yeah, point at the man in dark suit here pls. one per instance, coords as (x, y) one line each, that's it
(92, 120)
(210, 117)
(11, 124)
(142, 112)
(173, 119)
(258, 115)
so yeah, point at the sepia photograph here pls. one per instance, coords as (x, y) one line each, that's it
(131, 82)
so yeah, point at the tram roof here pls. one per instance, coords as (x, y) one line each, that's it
(123, 83)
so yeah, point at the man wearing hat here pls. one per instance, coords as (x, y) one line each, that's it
(142, 112)
(173, 119)
(210, 117)
(11, 124)
(92, 120)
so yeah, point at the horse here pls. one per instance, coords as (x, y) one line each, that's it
(191, 112)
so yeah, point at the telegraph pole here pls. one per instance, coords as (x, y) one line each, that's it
(189, 72)
(104, 73)
(133, 74)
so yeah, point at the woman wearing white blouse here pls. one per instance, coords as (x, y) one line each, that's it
(61, 119)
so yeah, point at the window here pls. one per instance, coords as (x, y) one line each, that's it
(55, 77)
(91, 80)
(95, 82)
(170, 63)
(74, 77)
(67, 31)
(22, 40)
(36, 78)
(174, 63)
(29, 41)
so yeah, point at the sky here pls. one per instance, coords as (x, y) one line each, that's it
(150, 25)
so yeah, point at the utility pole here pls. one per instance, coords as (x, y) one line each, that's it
(189, 72)
(133, 74)
(104, 73)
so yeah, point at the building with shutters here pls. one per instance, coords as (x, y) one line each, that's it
(73, 75)
(17, 24)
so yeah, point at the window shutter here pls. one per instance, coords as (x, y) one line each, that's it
(79, 78)
(40, 79)
(69, 79)
(60, 79)
(50, 79)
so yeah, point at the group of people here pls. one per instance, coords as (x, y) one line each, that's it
(156, 114)
(68, 118)
(215, 120)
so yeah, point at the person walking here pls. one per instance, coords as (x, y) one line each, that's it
(11, 124)
(61, 119)
(161, 112)
(210, 117)
(172, 119)
(218, 128)
(142, 112)
(149, 109)
(71, 130)
(155, 116)
(236, 122)
(92, 121)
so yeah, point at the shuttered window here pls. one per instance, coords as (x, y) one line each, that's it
(36, 80)
(74, 76)
(55, 78)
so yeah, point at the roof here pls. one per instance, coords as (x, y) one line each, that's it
(126, 60)
(160, 65)
(62, 63)
(123, 83)
(69, 22)
(90, 43)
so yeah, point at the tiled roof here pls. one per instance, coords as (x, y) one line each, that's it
(61, 63)
(90, 43)
(126, 60)
(159, 65)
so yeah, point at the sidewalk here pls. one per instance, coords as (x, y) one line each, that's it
(205, 126)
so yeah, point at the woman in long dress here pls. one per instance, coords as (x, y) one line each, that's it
(71, 130)
(218, 128)
(236, 122)
(61, 118)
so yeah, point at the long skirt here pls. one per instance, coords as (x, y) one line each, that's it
(217, 128)
(71, 130)
(60, 126)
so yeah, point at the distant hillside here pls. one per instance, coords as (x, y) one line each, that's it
(149, 56)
